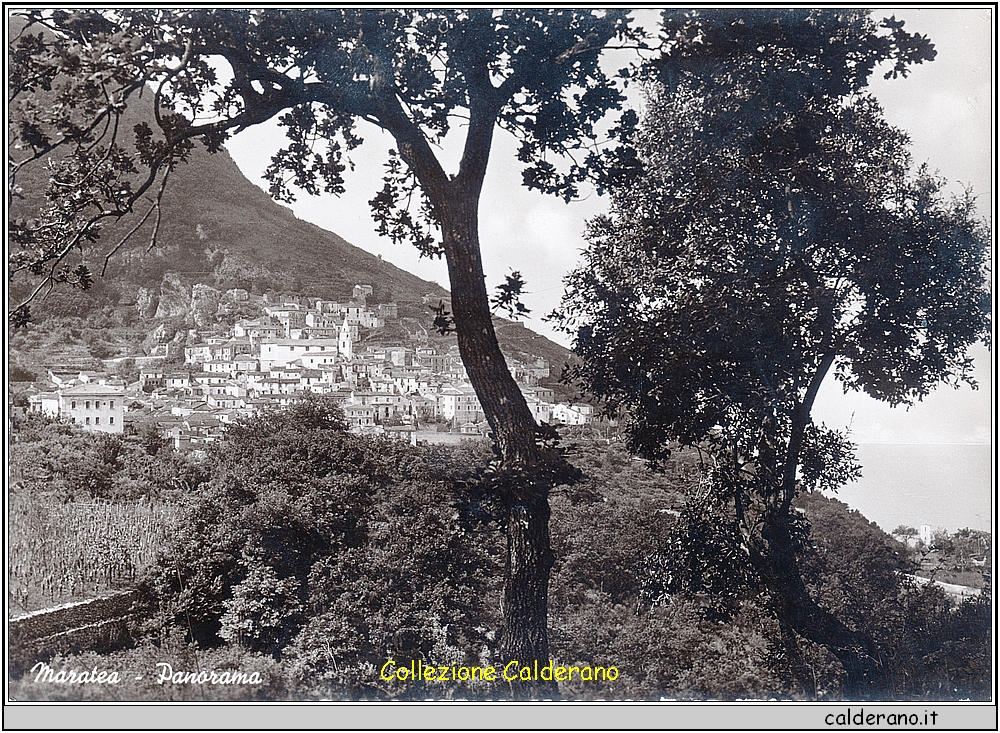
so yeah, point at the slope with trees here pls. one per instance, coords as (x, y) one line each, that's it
(315, 555)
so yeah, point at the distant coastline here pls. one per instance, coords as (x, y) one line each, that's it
(922, 442)
(945, 485)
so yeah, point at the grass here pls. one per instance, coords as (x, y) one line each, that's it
(61, 552)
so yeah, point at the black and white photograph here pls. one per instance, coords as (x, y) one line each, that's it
(506, 355)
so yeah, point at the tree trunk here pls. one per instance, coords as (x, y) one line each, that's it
(795, 607)
(524, 635)
(524, 499)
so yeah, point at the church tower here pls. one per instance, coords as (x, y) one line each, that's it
(345, 344)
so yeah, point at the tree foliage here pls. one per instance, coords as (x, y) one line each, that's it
(931, 648)
(412, 576)
(774, 231)
(641, 578)
(331, 550)
(58, 460)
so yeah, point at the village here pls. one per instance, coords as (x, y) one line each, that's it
(411, 390)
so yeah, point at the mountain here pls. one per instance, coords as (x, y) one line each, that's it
(219, 229)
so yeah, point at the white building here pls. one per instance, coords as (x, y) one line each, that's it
(573, 414)
(348, 335)
(929, 534)
(257, 330)
(461, 405)
(541, 411)
(359, 416)
(96, 407)
(309, 352)
(46, 402)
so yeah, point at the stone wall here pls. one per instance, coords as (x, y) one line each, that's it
(100, 624)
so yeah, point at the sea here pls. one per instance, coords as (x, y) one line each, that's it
(946, 486)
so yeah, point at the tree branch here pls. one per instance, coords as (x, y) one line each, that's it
(800, 416)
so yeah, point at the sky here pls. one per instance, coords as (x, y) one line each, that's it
(946, 107)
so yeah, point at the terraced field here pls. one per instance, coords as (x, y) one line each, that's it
(60, 552)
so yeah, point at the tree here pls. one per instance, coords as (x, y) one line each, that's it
(534, 73)
(773, 233)
(333, 550)
(288, 487)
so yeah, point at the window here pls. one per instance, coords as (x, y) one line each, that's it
(72, 405)
(112, 404)
(88, 404)
(88, 421)
(111, 420)
(97, 421)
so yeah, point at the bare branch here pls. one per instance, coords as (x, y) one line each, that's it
(110, 254)
(156, 222)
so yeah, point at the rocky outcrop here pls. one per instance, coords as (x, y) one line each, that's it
(163, 333)
(147, 302)
(204, 304)
(196, 304)
(175, 297)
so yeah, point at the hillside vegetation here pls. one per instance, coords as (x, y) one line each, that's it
(314, 556)
(220, 229)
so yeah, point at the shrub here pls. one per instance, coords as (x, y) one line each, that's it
(261, 610)
(308, 535)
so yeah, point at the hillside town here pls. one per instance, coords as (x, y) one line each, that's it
(406, 389)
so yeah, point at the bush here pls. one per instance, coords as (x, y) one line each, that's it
(16, 373)
(331, 551)
(261, 611)
(60, 460)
